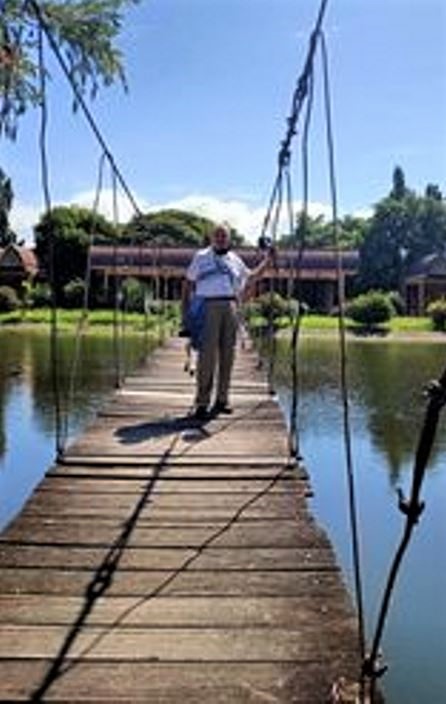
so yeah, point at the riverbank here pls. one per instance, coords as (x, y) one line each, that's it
(399, 328)
(94, 321)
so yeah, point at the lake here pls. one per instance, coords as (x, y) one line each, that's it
(386, 381)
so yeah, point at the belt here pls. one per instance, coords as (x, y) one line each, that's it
(220, 298)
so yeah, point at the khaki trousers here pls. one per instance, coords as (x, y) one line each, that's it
(217, 350)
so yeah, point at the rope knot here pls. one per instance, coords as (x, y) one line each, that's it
(436, 393)
(372, 669)
(412, 509)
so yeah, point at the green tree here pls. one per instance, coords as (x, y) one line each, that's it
(172, 228)
(315, 232)
(404, 228)
(70, 229)
(399, 190)
(84, 31)
(6, 197)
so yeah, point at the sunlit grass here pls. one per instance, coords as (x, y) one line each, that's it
(327, 323)
(97, 319)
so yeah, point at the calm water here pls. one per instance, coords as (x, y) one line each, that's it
(27, 444)
(387, 406)
(387, 409)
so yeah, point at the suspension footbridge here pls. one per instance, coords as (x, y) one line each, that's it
(164, 560)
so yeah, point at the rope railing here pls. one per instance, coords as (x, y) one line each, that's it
(83, 318)
(347, 435)
(44, 30)
(44, 169)
(302, 92)
(39, 13)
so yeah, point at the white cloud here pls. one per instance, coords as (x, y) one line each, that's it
(365, 213)
(22, 219)
(124, 207)
(243, 215)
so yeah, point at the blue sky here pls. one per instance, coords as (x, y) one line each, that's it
(210, 86)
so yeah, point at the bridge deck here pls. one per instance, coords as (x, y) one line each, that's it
(168, 562)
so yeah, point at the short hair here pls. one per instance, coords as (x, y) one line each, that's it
(225, 226)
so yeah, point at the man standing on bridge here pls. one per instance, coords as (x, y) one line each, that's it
(215, 280)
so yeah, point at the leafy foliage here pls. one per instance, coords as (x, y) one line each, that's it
(36, 295)
(6, 197)
(269, 306)
(315, 232)
(74, 293)
(135, 295)
(370, 309)
(404, 228)
(437, 313)
(172, 228)
(70, 230)
(84, 32)
(8, 299)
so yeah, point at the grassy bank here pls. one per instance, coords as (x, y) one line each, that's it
(137, 322)
(327, 324)
(95, 320)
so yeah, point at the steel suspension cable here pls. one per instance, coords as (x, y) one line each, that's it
(54, 352)
(353, 512)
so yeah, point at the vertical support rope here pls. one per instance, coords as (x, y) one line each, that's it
(116, 302)
(54, 353)
(85, 307)
(293, 437)
(343, 353)
(272, 341)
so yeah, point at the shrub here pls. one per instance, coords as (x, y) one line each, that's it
(437, 313)
(397, 302)
(370, 309)
(268, 305)
(73, 293)
(134, 295)
(9, 299)
(38, 296)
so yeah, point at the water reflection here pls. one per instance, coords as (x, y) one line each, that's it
(27, 406)
(386, 383)
(386, 380)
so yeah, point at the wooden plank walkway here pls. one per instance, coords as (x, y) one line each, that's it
(169, 562)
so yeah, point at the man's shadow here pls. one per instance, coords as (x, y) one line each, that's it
(191, 428)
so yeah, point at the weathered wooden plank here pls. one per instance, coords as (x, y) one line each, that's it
(176, 645)
(171, 466)
(168, 582)
(104, 484)
(77, 557)
(93, 532)
(51, 502)
(307, 682)
(232, 612)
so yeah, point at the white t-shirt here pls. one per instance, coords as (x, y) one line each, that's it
(217, 275)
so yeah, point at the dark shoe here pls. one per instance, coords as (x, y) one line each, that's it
(201, 413)
(224, 408)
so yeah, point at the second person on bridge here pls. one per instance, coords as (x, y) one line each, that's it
(215, 281)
